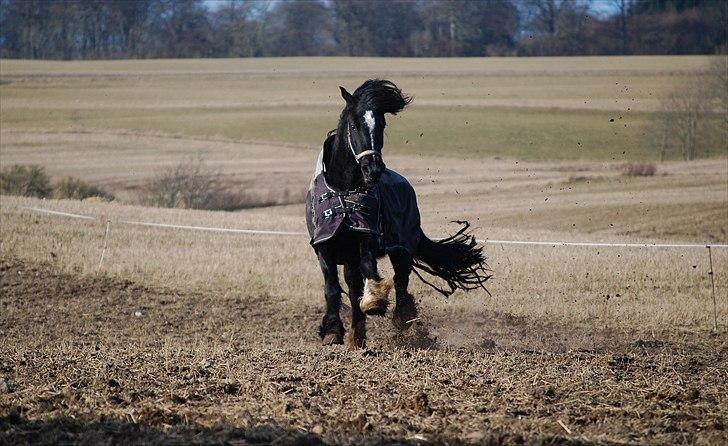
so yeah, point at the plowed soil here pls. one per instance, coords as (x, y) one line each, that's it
(89, 359)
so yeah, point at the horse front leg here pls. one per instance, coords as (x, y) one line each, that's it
(356, 337)
(376, 290)
(405, 310)
(331, 329)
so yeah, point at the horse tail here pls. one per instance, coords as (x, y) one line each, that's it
(457, 259)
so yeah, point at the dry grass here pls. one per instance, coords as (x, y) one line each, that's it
(657, 288)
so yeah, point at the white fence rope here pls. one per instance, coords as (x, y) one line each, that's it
(65, 214)
(488, 241)
(598, 244)
(207, 228)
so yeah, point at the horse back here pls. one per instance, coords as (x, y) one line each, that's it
(400, 214)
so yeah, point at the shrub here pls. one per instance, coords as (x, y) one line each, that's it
(76, 189)
(29, 181)
(189, 185)
(639, 169)
(192, 185)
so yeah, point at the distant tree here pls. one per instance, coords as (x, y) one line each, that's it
(298, 28)
(464, 28)
(133, 20)
(236, 32)
(376, 28)
(651, 6)
(102, 29)
(694, 115)
(717, 85)
(393, 28)
(182, 29)
(556, 27)
(679, 27)
(625, 8)
(352, 32)
(54, 29)
(22, 26)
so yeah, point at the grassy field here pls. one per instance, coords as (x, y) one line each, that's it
(550, 109)
(205, 337)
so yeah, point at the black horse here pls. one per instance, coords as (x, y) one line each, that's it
(357, 210)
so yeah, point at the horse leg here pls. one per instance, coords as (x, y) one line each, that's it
(356, 336)
(405, 309)
(331, 329)
(376, 290)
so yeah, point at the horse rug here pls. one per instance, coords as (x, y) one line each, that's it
(388, 209)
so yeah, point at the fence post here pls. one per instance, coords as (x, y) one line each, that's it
(106, 238)
(712, 283)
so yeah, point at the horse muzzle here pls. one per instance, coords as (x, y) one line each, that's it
(371, 171)
(371, 180)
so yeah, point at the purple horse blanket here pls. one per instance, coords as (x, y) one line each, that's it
(330, 210)
(387, 209)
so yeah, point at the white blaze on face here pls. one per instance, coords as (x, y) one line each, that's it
(369, 119)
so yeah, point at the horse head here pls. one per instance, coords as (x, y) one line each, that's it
(362, 123)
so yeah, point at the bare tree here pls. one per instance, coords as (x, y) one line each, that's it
(718, 84)
(624, 10)
(555, 27)
(685, 107)
(694, 115)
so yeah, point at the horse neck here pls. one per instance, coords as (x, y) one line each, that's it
(342, 170)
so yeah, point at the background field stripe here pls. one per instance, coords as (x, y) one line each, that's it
(488, 241)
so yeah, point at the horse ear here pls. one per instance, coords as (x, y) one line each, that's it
(346, 95)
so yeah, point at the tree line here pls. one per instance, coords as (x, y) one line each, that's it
(106, 29)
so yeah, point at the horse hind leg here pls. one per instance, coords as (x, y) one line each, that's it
(356, 337)
(405, 310)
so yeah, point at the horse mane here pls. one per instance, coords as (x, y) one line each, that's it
(381, 95)
(375, 94)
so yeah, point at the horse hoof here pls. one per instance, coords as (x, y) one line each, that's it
(332, 339)
(405, 313)
(375, 302)
(375, 307)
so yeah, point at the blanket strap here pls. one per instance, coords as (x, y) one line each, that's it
(345, 193)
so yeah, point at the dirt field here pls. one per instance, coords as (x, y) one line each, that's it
(96, 360)
(183, 336)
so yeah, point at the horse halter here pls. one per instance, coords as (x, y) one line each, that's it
(361, 155)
